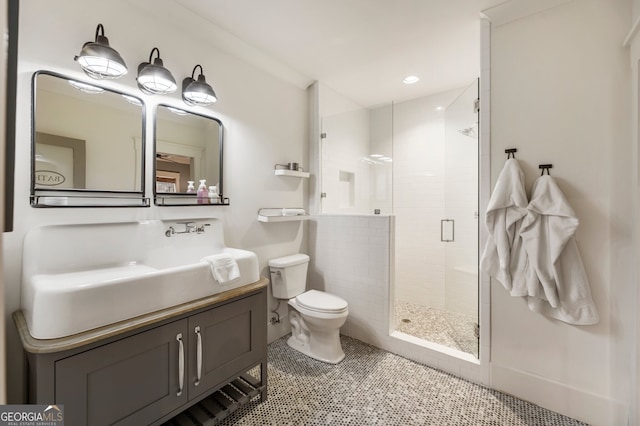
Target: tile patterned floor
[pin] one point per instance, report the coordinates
(437, 326)
(373, 387)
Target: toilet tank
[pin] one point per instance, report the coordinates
(288, 275)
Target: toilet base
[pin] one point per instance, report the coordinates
(304, 347)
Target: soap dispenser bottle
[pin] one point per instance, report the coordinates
(202, 192)
(190, 187)
(214, 197)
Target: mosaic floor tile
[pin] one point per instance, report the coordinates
(373, 387)
(449, 329)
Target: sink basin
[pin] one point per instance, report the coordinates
(80, 277)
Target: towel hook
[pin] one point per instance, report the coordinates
(545, 167)
(511, 152)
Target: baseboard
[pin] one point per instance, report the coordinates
(584, 406)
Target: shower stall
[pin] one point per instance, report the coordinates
(418, 161)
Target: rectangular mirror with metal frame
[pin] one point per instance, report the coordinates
(188, 154)
(87, 145)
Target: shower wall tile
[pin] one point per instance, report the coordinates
(350, 258)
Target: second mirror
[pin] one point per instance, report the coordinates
(188, 158)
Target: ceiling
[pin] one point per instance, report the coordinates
(361, 48)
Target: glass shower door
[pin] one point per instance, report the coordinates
(459, 227)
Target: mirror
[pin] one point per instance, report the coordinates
(87, 144)
(188, 148)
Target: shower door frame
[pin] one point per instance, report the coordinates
(452, 361)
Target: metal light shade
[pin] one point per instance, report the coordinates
(154, 78)
(197, 92)
(99, 60)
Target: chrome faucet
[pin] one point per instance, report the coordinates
(189, 228)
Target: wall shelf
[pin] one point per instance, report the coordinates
(276, 215)
(262, 218)
(292, 173)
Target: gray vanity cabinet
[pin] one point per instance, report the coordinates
(127, 382)
(153, 368)
(225, 339)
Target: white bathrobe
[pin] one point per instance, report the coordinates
(556, 281)
(503, 257)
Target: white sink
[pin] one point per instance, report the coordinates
(79, 277)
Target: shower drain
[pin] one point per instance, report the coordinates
(407, 320)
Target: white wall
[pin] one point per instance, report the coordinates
(560, 95)
(418, 203)
(264, 117)
(349, 258)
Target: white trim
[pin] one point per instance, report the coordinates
(484, 189)
(558, 397)
(516, 9)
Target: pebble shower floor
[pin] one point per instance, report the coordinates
(374, 387)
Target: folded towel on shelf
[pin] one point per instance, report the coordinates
(223, 267)
(293, 212)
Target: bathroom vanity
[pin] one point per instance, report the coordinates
(199, 360)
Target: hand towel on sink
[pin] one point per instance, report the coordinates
(223, 267)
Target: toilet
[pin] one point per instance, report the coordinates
(315, 316)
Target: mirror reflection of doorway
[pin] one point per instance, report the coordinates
(173, 172)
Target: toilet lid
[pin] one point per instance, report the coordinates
(320, 301)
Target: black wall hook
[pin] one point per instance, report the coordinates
(545, 167)
(511, 152)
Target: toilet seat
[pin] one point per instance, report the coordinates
(321, 302)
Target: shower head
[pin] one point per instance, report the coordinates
(470, 131)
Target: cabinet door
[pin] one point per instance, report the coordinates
(224, 341)
(132, 381)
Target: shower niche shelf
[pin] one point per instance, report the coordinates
(292, 173)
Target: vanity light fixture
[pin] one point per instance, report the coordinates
(154, 78)
(99, 60)
(197, 92)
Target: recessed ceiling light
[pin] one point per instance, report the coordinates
(376, 156)
(410, 79)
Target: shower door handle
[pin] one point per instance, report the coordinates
(447, 230)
